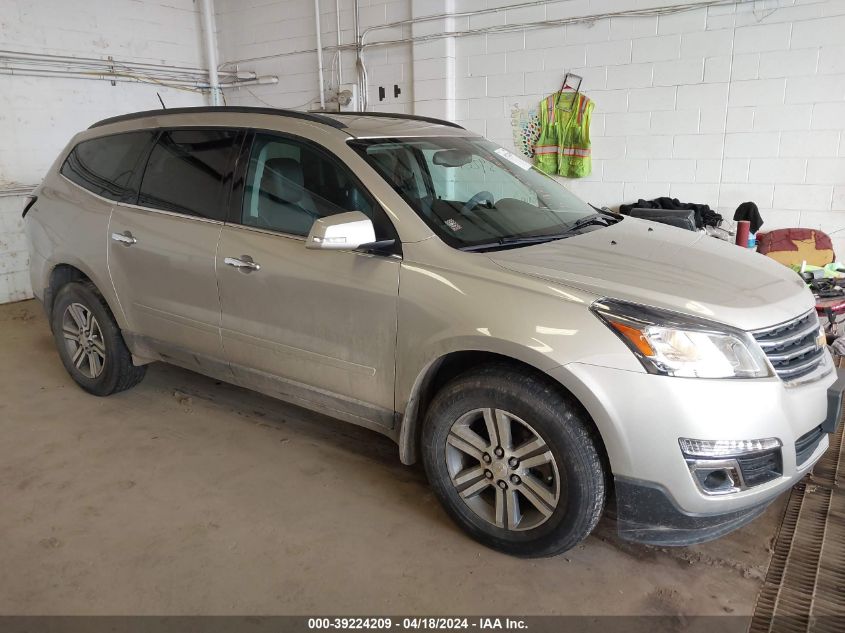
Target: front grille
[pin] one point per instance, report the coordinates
(807, 443)
(761, 467)
(792, 347)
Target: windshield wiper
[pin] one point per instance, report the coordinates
(590, 220)
(607, 212)
(600, 219)
(596, 219)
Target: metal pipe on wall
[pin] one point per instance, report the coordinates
(360, 69)
(339, 44)
(207, 7)
(502, 28)
(23, 55)
(264, 80)
(360, 44)
(17, 191)
(68, 67)
(319, 55)
(443, 16)
(102, 76)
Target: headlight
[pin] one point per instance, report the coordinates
(674, 344)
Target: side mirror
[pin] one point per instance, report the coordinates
(344, 231)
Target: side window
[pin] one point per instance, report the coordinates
(289, 184)
(108, 165)
(187, 171)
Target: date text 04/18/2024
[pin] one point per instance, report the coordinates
(417, 623)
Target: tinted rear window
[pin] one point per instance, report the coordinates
(106, 165)
(187, 171)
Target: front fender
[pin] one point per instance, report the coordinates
(406, 434)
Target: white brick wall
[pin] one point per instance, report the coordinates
(14, 259)
(39, 115)
(717, 105)
(238, 21)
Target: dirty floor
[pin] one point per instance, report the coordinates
(187, 496)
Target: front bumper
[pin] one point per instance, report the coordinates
(645, 513)
(834, 402)
(641, 416)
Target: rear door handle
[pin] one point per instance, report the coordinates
(244, 263)
(124, 238)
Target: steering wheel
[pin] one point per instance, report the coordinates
(481, 196)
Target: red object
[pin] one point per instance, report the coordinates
(784, 240)
(830, 306)
(743, 228)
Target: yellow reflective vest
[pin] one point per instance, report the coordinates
(563, 148)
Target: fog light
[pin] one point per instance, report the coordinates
(716, 477)
(726, 448)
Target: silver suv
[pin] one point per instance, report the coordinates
(537, 354)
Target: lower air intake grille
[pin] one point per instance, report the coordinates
(792, 347)
(806, 444)
(760, 468)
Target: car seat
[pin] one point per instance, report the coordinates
(792, 247)
(284, 203)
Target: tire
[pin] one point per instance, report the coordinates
(100, 362)
(559, 490)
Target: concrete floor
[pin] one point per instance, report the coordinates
(187, 496)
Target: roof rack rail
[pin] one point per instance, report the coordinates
(294, 114)
(398, 115)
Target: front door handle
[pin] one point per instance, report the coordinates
(244, 263)
(124, 238)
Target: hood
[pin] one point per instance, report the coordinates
(668, 267)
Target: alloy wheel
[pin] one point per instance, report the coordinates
(84, 340)
(502, 469)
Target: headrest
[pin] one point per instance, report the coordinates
(403, 175)
(282, 179)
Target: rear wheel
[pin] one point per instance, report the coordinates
(514, 462)
(89, 341)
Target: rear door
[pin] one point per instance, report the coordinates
(314, 327)
(104, 170)
(162, 247)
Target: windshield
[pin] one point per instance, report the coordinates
(473, 193)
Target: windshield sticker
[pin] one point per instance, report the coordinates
(516, 160)
(452, 224)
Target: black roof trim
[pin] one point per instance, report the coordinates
(398, 115)
(293, 114)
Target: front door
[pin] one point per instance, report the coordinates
(317, 328)
(162, 249)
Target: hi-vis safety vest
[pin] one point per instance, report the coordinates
(563, 147)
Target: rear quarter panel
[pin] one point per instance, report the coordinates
(69, 225)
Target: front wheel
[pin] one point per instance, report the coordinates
(515, 462)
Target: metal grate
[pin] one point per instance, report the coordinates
(792, 347)
(805, 585)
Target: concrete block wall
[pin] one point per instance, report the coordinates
(14, 257)
(39, 115)
(265, 36)
(719, 105)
